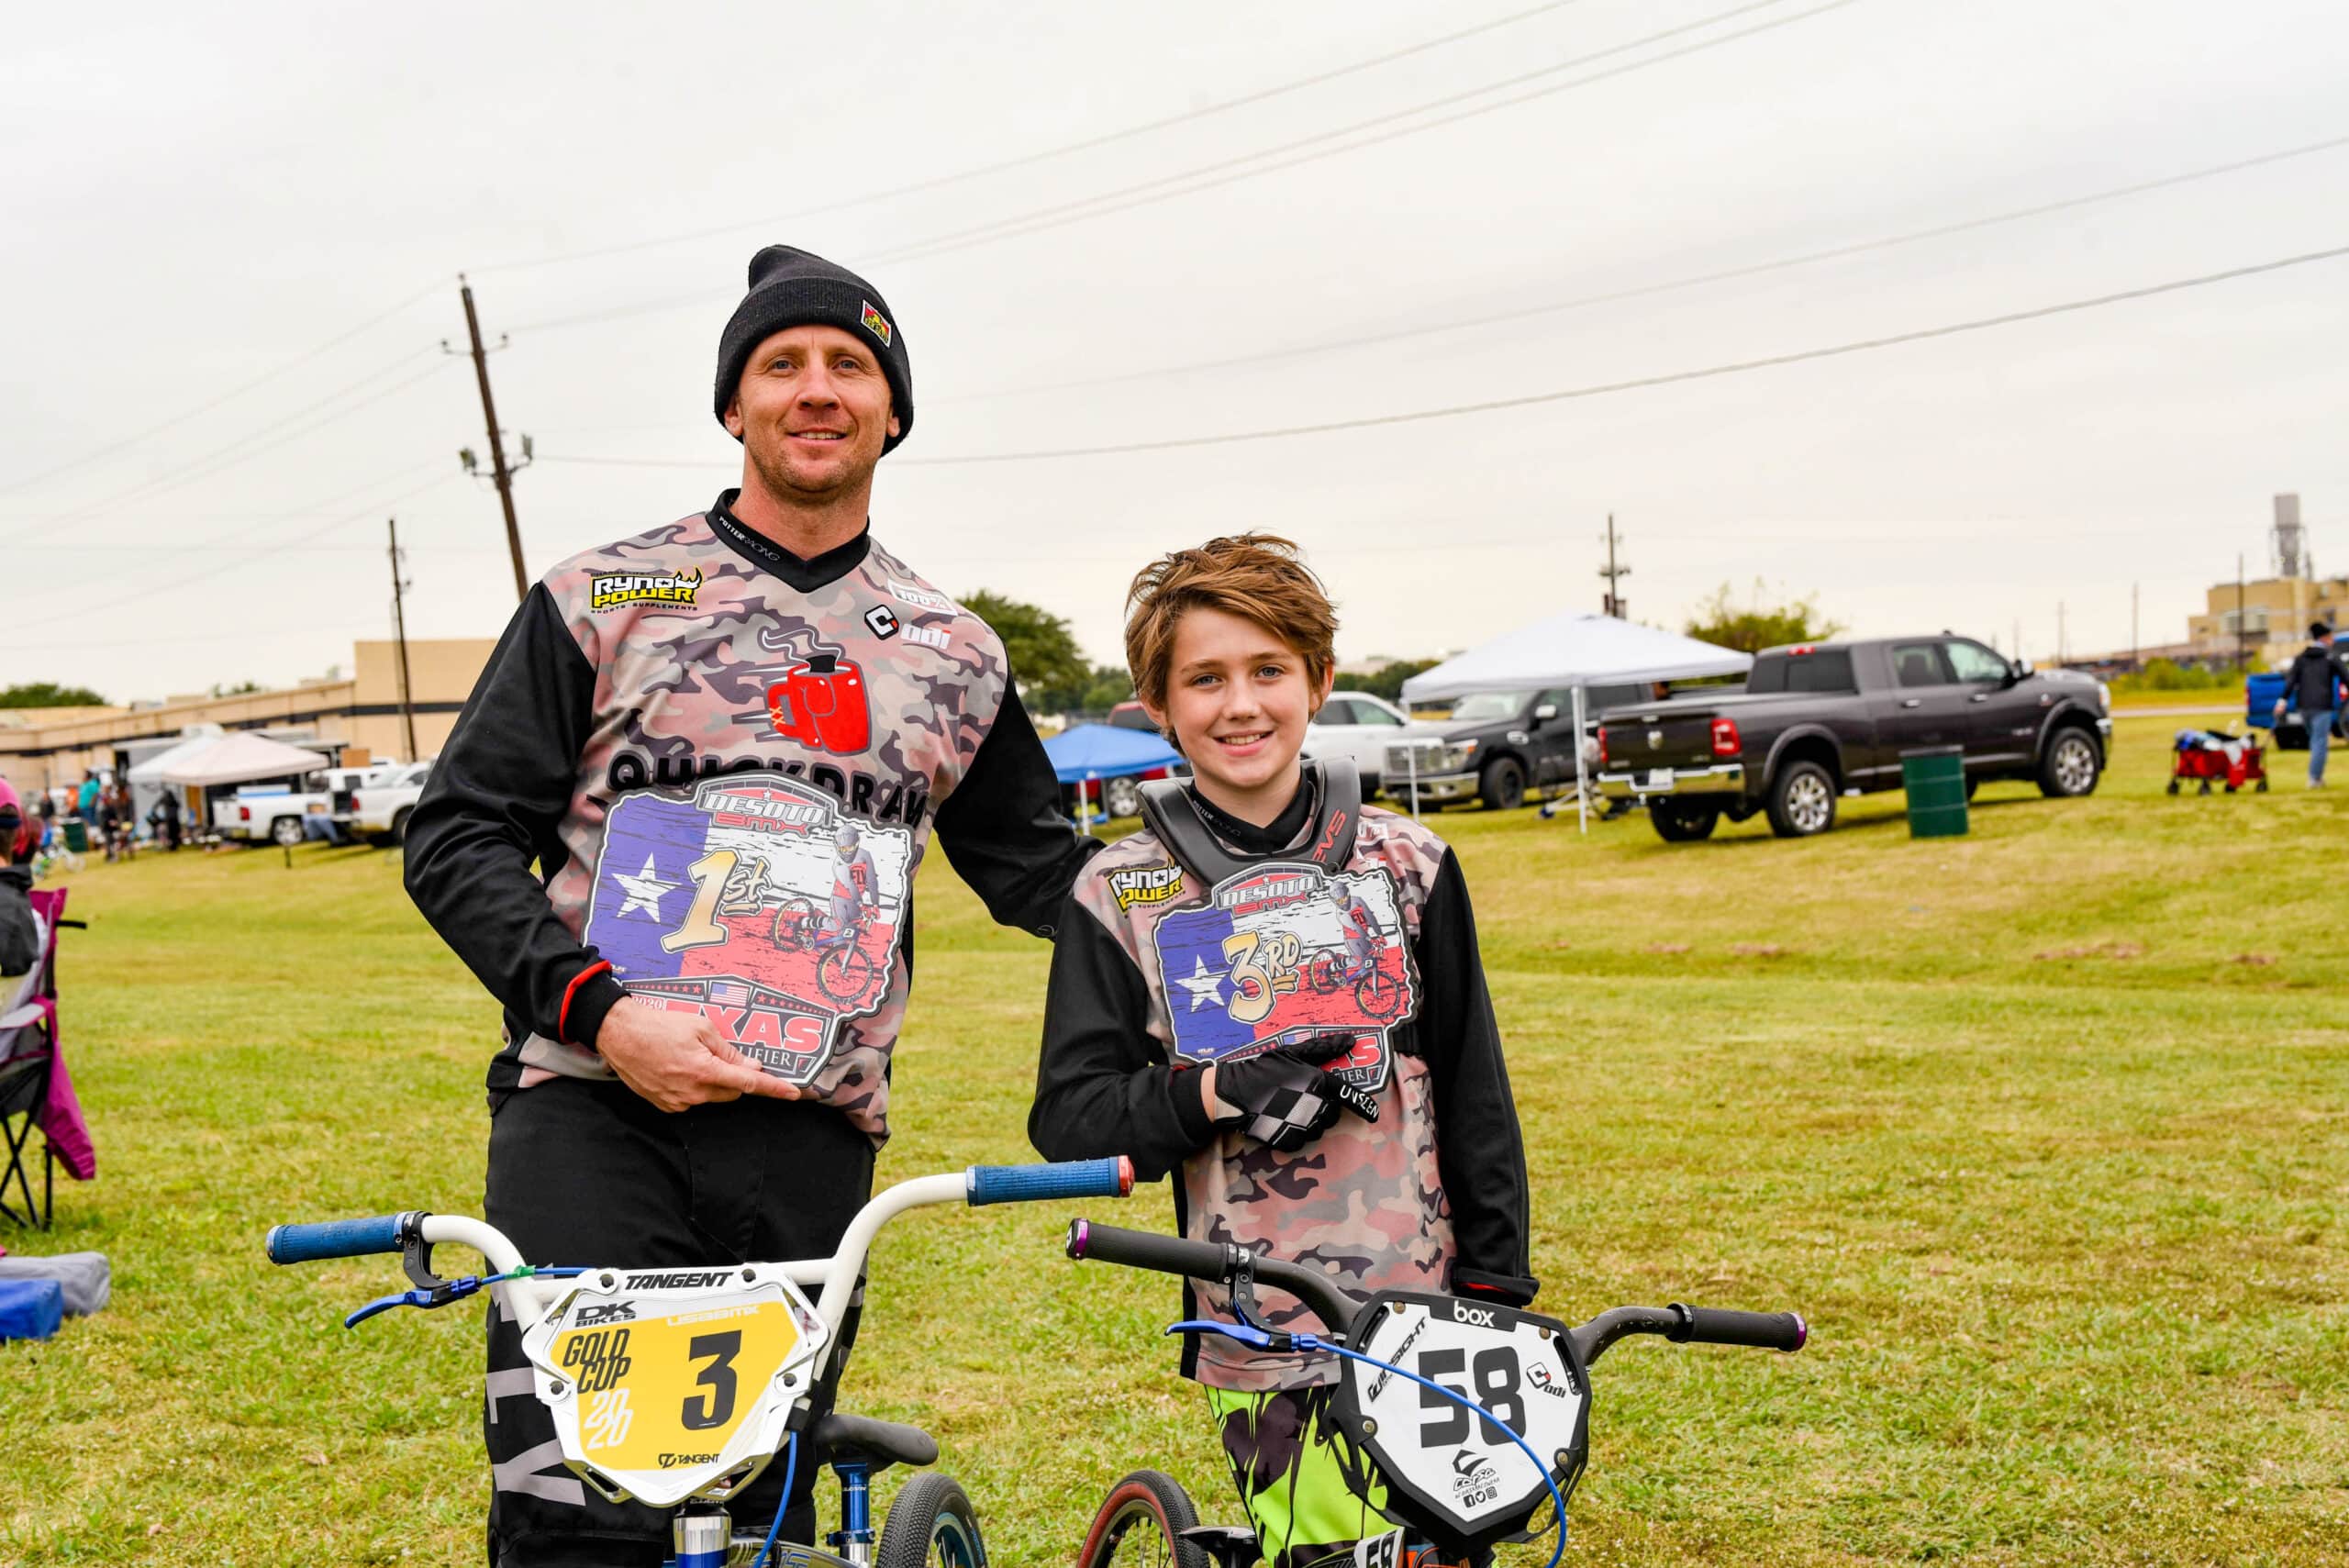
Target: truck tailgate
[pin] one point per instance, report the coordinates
(1665, 737)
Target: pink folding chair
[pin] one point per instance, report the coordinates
(35, 1091)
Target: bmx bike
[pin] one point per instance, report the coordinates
(677, 1387)
(1332, 969)
(843, 969)
(1475, 1415)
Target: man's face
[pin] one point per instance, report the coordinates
(812, 413)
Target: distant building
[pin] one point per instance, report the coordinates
(2271, 621)
(44, 748)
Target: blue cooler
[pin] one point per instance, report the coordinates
(30, 1308)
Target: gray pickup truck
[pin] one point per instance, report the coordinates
(1823, 720)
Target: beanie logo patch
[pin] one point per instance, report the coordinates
(877, 323)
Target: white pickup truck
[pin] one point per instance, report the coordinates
(272, 813)
(377, 807)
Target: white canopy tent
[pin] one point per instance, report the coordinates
(193, 742)
(1576, 649)
(241, 759)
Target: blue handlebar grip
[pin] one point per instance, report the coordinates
(334, 1239)
(1070, 1178)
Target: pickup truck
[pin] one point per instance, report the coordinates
(2265, 689)
(1496, 746)
(272, 813)
(377, 807)
(1822, 720)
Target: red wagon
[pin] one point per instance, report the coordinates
(2231, 760)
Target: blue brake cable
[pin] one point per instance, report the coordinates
(454, 1290)
(790, 1473)
(1262, 1339)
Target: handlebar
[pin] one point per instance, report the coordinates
(1336, 1306)
(337, 1238)
(836, 1276)
(1113, 1177)
(1328, 1300)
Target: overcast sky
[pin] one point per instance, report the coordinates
(198, 197)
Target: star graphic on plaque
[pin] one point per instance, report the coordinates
(644, 890)
(1205, 985)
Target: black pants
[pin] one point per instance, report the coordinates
(588, 1175)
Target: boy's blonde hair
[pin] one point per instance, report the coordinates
(1258, 577)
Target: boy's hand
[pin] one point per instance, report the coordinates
(677, 1060)
(1284, 1099)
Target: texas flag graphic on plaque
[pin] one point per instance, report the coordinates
(1280, 953)
(755, 900)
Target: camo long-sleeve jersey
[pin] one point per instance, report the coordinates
(688, 732)
(1154, 976)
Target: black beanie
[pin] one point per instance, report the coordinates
(790, 287)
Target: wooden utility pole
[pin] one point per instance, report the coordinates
(2059, 631)
(2243, 627)
(2134, 661)
(399, 629)
(1613, 602)
(503, 476)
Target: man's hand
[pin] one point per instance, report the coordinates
(676, 1060)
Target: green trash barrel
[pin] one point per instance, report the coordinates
(1934, 777)
(77, 835)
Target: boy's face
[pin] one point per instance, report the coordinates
(1237, 700)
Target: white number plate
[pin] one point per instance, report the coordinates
(1656, 778)
(1461, 1466)
(661, 1381)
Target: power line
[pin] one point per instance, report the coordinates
(246, 447)
(189, 580)
(1516, 316)
(1229, 171)
(117, 443)
(1736, 367)
(1028, 159)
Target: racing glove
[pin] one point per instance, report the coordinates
(1284, 1099)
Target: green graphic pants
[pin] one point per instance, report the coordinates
(1284, 1449)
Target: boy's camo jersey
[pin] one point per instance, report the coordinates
(1434, 1187)
(678, 726)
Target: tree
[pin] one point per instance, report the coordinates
(223, 689)
(48, 693)
(1043, 654)
(1752, 627)
(1388, 681)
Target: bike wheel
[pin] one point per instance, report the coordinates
(931, 1525)
(1378, 994)
(1322, 974)
(792, 922)
(844, 971)
(1140, 1525)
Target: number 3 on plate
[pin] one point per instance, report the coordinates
(715, 1407)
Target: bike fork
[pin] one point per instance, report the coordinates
(701, 1540)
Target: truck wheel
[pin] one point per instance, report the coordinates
(1802, 801)
(2071, 765)
(1678, 824)
(1502, 785)
(285, 830)
(398, 834)
(1121, 798)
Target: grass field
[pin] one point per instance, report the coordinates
(2044, 1130)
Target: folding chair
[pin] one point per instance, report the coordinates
(27, 1059)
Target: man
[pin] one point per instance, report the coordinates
(742, 682)
(853, 878)
(20, 933)
(2312, 684)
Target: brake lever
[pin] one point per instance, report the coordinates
(441, 1294)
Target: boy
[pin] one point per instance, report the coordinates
(1183, 1028)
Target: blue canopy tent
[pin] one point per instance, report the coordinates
(1084, 752)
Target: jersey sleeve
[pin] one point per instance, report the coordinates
(1103, 1084)
(1003, 831)
(497, 797)
(1480, 1151)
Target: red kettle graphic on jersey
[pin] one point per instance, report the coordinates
(819, 700)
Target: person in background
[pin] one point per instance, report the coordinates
(109, 820)
(166, 818)
(20, 936)
(2313, 684)
(86, 804)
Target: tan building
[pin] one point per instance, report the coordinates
(2272, 621)
(359, 713)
